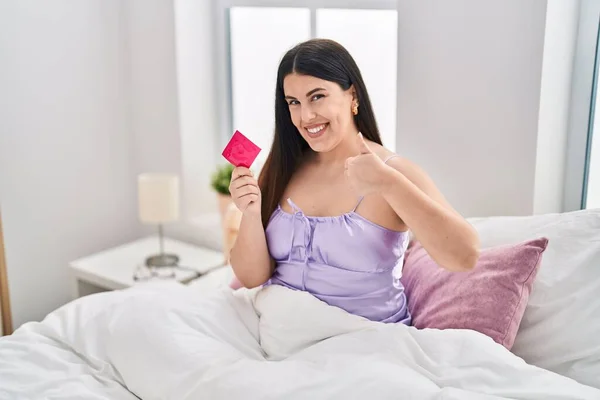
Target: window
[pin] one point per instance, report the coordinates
(255, 52)
(367, 28)
(591, 194)
(582, 179)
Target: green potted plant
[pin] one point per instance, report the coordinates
(220, 184)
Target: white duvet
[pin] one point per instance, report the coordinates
(167, 341)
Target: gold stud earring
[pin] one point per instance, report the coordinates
(355, 109)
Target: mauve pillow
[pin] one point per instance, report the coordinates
(490, 299)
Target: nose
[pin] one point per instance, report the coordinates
(307, 113)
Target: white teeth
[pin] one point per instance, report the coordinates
(317, 129)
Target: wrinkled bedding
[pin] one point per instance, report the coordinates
(165, 340)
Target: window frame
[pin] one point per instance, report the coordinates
(223, 50)
(581, 111)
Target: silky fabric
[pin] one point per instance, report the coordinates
(346, 261)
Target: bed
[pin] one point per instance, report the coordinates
(167, 340)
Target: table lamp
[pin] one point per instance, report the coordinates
(158, 203)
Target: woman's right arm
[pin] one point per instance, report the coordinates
(249, 256)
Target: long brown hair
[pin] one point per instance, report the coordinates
(323, 59)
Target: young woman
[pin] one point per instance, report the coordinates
(332, 209)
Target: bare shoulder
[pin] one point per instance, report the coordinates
(408, 168)
(412, 171)
(378, 149)
(402, 164)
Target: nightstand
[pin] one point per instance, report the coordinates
(114, 269)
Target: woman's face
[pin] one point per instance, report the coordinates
(320, 109)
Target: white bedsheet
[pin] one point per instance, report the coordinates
(169, 341)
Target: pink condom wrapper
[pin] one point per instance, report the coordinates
(240, 151)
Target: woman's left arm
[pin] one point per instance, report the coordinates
(448, 238)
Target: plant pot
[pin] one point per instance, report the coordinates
(231, 227)
(229, 222)
(224, 202)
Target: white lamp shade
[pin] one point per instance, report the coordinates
(158, 198)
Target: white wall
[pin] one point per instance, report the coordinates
(152, 78)
(66, 177)
(469, 98)
(197, 98)
(173, 108)
(174, 105)
(557, 67)
(150, 37)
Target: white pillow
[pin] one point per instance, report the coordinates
(560, 330)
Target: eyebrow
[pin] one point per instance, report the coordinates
(307, 94)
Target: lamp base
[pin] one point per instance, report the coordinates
(162, 260)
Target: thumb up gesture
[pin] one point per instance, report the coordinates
(366, 172)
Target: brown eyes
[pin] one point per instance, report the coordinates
(313, 98)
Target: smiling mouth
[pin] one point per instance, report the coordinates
(317, 130)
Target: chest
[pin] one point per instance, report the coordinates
(348, 242)
(320, 195)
